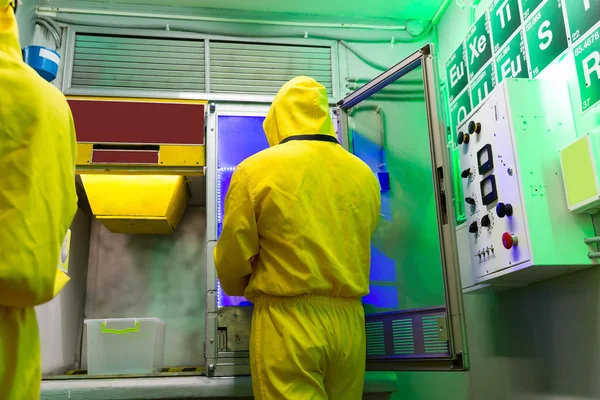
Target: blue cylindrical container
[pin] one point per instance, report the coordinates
(44, 60)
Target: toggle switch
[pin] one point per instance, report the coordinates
(466, 173)
(473, 227)
(470, 200)
(474, 127)
(485, 221)
(509, 240)
(504, 210)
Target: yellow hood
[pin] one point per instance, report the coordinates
(300, 108)
(9, 34)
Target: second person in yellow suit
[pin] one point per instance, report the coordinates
(296, 241)
(37, 204)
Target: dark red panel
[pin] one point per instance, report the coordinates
(124, 157)
(126, 122)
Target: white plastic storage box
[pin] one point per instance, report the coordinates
(125, 345)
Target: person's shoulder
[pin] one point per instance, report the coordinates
(261, 159)
(35, 93)
(357, 163)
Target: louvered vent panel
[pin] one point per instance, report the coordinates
(431, 336)
(404, 341)
(129, 62)
(375, 339)
(264, 68)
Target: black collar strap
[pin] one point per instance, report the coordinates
(317, 138)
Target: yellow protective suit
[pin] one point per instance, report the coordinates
(296, 241)
(37, 204)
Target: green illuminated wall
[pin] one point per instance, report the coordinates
(538, 342)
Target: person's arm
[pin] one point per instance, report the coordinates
(37, 198)
(238, 243)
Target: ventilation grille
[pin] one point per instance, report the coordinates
(404, 341)
(263, 69)
(431, 336)
(375, 339)
(129, 62)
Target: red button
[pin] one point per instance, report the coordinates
(508, 240)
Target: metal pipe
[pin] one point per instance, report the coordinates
(593, 255)
(55, 35)
(54, 25)
(113, 13)
(403, 82)
(592, 240)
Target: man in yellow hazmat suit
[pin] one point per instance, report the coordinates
(37, 204)
(296, 242)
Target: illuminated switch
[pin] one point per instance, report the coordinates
(474, 127)
(509, 240)
(504, 210)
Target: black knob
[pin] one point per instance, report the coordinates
(485, 221)
(460, 137)
(463, 138)
(474, 127)
(473, 227)
(470, 200)
(466, 173)
(504, 210)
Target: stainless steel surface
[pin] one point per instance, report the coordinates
(177, 388)
(153, 276)
(143, 63)
(211, 277)
(237, 354)
(225, 368)
(211, 175)
(68, 59)
(236, 322)
(92, 70)
(207, 65)
(335, 71)
(212, 318)
(263, 68)
(448, 241)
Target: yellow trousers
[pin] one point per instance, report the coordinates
(20, 365)
(308, 347)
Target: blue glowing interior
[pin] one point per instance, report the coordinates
(239, 137)
(383, 268)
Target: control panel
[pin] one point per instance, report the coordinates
(518, 225)
(494, 210)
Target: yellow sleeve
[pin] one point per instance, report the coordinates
(37, 196)
(238, 243)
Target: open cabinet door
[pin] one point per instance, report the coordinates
(415, 318)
